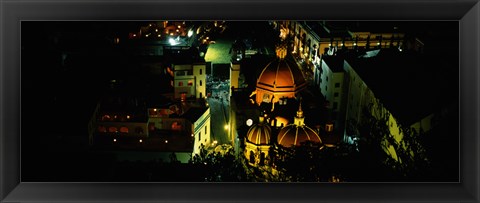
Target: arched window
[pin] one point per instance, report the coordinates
(262, 159)
(200, 82)
(106, 118)
(124, 129)
(112, 129)
(252, 157)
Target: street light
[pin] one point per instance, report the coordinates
(226, 126)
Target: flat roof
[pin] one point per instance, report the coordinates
(411, 86)
(335, 63)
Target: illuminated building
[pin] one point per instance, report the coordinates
(189, 81)
(312, 39)
(358, 92)
(177, 121)
(160, 38)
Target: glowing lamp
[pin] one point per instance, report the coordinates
(249, 122)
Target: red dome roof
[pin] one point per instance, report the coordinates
(281, 75)
(293, 135)
(259, 134)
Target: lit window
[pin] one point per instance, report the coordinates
(105, 118)
(329, 127)
(176, 126)
(124, 129)
(112, 129)
(190, 83)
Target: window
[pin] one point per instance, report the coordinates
(262, 159)
(200, 82)
(337, 84)
(190, 83)
(112, 129)
(327, 78)
(199, 136)
(102, 129)
(335, 94)
(205, 130)
(176, 126)
(252, 157)
(106, 118)
(335, 105)
(180, 84)
(329, 127)
(201, 71)
(124, 129)
(326, 88)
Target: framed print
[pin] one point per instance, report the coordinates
(239, 101)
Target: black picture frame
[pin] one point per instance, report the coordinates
(467, 12)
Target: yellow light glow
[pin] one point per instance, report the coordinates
(156, 30)
(171, 33)
(134, 35)
(155, 110)
(226, 126)
(159, 35)
(179, 26)
(114, 140)
(128, 117)
(166, 141)
(140, 141)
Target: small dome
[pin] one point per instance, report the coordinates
(293, 135)
(259, 134)
(296, 133)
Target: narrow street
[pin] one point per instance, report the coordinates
(219, 117)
